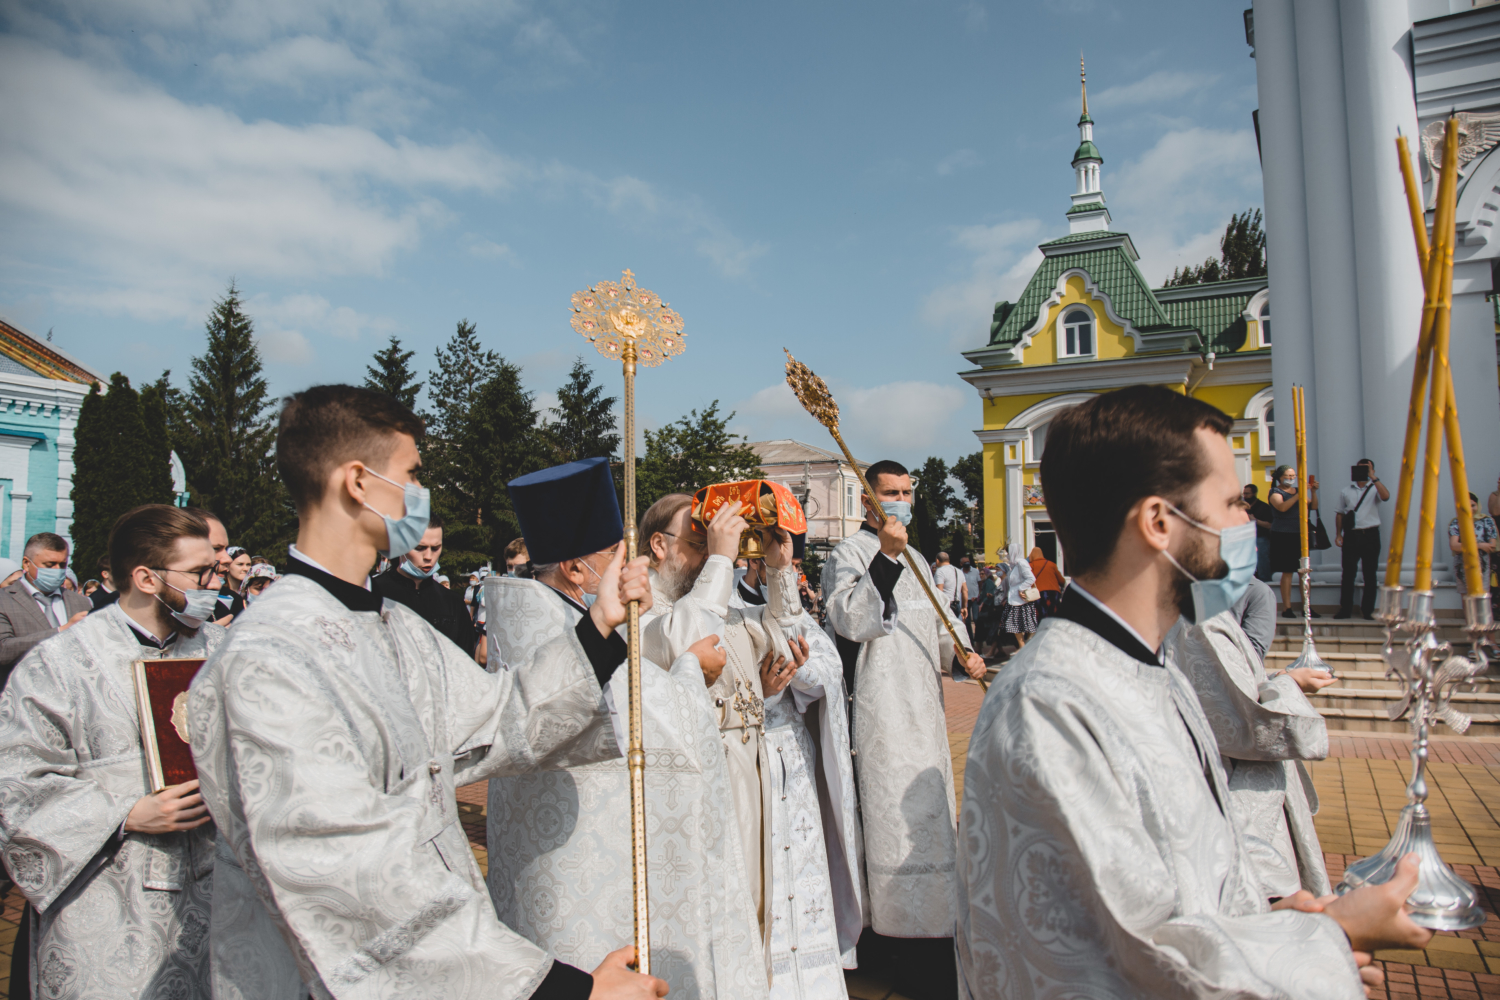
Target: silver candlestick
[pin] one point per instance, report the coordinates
(1429, 671)
(1309, 657)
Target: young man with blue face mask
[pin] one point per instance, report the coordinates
(37, 606)
(1094, 789)
(333, 725)
(895, 652)
(411, 581)
(92, 836)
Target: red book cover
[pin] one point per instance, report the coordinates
(161, 691)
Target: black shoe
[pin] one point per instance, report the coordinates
(1367, 616)
(1314, 614)
(1342, 613)
(1290, 613)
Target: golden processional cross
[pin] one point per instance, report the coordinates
(637, 327)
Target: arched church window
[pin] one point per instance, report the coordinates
(1078, 334)
(1270, 420)
(1265, 324)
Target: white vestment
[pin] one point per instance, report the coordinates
(1099, 858)
(328, 744)
(902, 757)
(559, 838)
(112, 915)
(1265, 727)
(809, 829)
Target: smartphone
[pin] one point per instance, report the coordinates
(1359, 473)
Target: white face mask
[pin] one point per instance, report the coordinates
(587, 600)
(198, 604)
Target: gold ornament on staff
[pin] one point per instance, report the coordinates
(812, 392)
(637, 327)
(1309, 657)
(1429, 670)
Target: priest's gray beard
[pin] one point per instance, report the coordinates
(1202, 560)
(677, 578)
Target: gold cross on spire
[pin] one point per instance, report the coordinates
(1083, 80)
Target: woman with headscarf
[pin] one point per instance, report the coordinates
(1020, 614)
(1049, 581)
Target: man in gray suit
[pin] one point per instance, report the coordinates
(37, 606)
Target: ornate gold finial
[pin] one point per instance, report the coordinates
(1083, 80)
(611, 313)
(812, 392)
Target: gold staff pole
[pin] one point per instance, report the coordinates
(812, 392)
(639, 329)
(1309, 656)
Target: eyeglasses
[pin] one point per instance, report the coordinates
(204, 575)
(692, 540)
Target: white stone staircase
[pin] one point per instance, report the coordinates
(1360, 699)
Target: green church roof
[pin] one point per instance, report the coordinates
(1087, 151)
(1220, 318)
(1111, 270)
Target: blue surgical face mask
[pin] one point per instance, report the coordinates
(899, 509)
(410, 569)
(1237, 549)
(402, 534)
(49, 578)
(587, 600)
(199, 604)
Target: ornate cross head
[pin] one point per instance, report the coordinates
(610, 314)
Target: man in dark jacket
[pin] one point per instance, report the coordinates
(410, 581)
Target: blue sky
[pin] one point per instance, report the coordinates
(857, 182)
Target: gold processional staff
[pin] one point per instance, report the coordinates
(812, 392)
(638, 328)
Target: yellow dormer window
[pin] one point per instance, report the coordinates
(1077, 339)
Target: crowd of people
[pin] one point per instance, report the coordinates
(1134, 819)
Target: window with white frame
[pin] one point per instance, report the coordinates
(1077, 334)
(1039, 441)
(1265, 324)
(1268, 417)
(851, 499)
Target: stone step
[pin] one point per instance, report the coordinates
(1353, 704)
(1369, 720)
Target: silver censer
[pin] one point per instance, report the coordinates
(1309, 657)
(1429, 671)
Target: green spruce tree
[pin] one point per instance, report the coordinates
(696, 451)
(391, 374)
(158, 442)
(118, 465)
(932, 499)
(225, 435)
(583, 422)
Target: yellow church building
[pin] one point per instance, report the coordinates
(1089, 322)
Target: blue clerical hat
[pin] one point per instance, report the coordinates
(567, 511)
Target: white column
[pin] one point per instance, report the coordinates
(1472, 357)
(67, 423)
(1286, 207)
(1378, 90)
(18, 502)
(1335, 429)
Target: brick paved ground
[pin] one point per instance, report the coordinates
(1362, 786)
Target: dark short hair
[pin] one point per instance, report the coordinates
(103, 565)
(325, 426)
(1365, 461)
(884, 468)
(516, 547)
(434, 520)
(147, 535)
(1140, 440)
(1252, 488)
(45, 541)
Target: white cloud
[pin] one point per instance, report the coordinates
(286, 347)
(1002, 259)
(295, 62)
(961, 159)
(481, 247)
(1163, 85)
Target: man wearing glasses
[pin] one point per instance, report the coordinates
(82, 832)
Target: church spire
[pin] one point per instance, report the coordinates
(1087, 212)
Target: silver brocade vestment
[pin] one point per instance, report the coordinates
(1265, 727)
(1096, 859)
(328, 743)
(902, 757)
(809, 831)
(559, 839)
(112, 917)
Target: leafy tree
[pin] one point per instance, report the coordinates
(158, 442)
(119, 464)
(224, 434)
(392, 375)
(696, 451)
(1242, 254)
(583, 421)
(969, 471)
(932, 499)
(482, 433)
(812, 568)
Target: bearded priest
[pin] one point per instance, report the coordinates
(82, 833)
(559, 838)
(332, 726)
(895, 650)
(793, 794)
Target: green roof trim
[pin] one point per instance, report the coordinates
(1077, 238)
(1087, 151)
(1112, 272)
(1093, 206)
